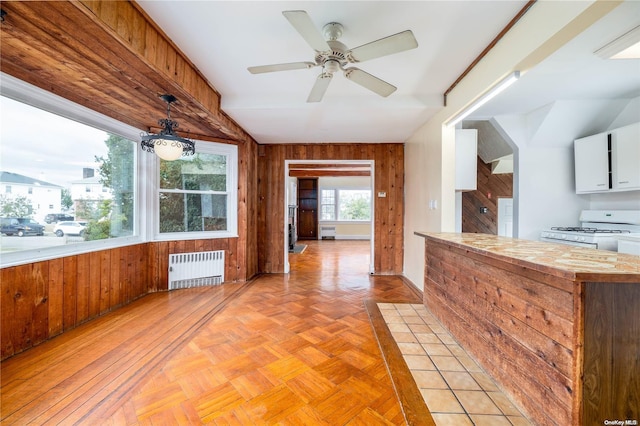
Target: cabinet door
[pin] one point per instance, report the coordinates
(466, 159)
(592, 163)
(625, 151)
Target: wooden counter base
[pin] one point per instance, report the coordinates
(536, 329)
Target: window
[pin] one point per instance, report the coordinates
(75, 138)
(346, 204)
(328, 204)
(198, 194)
(7, 189)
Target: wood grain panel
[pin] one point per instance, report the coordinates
(489, 308)
(611, 352)
(499, 185)
(389, 211)
(40, 300)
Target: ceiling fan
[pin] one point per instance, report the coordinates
(333, 55)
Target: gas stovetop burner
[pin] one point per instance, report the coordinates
(589, 230)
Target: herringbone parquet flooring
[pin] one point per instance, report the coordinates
(293, 349)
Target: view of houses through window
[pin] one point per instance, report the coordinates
(75, 184)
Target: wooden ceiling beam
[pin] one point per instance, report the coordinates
(327, 173)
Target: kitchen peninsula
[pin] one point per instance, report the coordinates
(558, 327)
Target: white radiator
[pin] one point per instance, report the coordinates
(196, 269)
(328, 232)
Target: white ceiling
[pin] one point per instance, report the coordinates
(223, 38)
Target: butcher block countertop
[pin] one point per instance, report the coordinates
(578, 263)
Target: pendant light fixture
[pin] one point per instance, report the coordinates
(166, 144)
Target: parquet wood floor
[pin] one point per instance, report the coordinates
(294, 349)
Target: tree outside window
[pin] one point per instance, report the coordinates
(354, 204)
(345, 204)
(193, 194)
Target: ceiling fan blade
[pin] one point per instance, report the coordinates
(383, 47)
(370, 82)
(281, 67)
(320, 87)
(304, 25)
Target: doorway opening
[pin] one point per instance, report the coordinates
(326, 198)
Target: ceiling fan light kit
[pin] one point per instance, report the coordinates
(332, 55)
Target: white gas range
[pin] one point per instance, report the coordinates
(599, 229)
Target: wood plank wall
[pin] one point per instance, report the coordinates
(500, 185)
(611, 353)
(520, 324)
(389, 211)
(43, 299)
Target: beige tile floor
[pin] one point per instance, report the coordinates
(456, 390)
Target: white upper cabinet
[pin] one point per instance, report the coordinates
(592, 163)
(608, 161)
(466, 159)
(625, 151)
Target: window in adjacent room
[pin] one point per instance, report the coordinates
(346, 204)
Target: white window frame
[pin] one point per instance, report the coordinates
(21, 91)
(204, 147)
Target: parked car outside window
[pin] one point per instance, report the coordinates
(69, 228)
(20, 226)
(57, 217)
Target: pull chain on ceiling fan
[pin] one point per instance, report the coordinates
(333, 55)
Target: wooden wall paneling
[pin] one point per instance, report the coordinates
(69, 291)
(611, 352)
(398, 202)
(23, 305)
(115, 284)
(388, 246)
(56, 296)
(247, 211)
(231, 261)
(94, 283)
(132, 270)
(23, 295)
(142, 269)
(381, 210)
(40, 321)
(150, 266)
(498, 185)
(519, 331)
(162, 265)
(139, 262)
(82, 300)
(105, 280)
(8, 326)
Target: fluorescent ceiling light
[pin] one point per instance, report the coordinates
(627, 46)
(488, 95)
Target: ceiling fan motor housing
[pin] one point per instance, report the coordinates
(335, 58)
